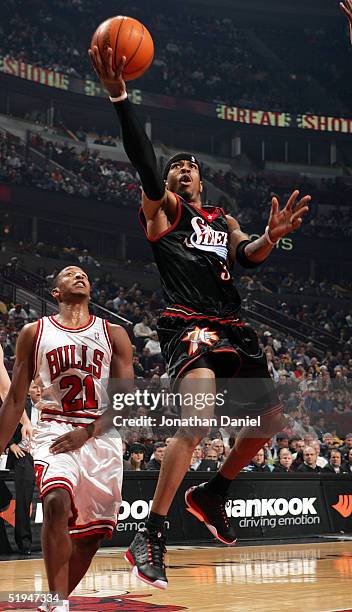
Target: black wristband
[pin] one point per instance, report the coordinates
(242, 258)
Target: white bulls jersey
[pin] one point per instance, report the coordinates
(72, 367)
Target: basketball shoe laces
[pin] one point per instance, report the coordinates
(219, 504)
(224, 515)
(156, 548)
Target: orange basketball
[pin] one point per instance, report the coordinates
(126, 36)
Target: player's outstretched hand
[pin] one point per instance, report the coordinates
(70, 441)
(287, 220)
(111, 79)
(346, 8)
(27, 431)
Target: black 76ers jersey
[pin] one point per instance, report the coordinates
(192, 259)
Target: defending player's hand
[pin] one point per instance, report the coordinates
(17, 451)
(27, 431)
(70, 441)
(346, 8)
(287, 220)
(111, 79)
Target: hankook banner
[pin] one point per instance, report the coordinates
(261, 506)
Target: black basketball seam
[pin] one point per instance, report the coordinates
(117, 38)
(138, 46)
(144, 67)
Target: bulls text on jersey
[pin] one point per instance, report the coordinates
(63, 358)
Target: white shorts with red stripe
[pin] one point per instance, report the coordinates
(92, 475)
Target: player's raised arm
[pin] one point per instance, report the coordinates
(251, 253)
(12, 409)
(137, 145)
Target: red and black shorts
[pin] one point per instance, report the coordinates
(227, 346)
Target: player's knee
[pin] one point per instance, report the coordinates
(90, 545)
(57, 506)
(273, 418)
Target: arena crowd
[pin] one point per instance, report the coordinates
(249, 66)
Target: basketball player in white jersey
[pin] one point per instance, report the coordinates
(78, 466)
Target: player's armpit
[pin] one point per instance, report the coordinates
(122, 354)
(12, 409)
(167, 204)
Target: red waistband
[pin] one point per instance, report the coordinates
(188, 314)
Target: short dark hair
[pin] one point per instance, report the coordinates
(56, 277)
(334, 450)
(159, 445)
(283, 449)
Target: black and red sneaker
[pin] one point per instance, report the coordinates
(210, 509)
(146, 555)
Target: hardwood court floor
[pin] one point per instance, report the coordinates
(315, 577)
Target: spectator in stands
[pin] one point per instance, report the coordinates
(258, 463)
(158, 456)
(293, 444)
(119, 299)
(148, 362)
(87, 260)
(18, 315)
(281, 441)
(311, 401)
(305, 428)
(347, 445)
(219, 447)
(153, 345)
(197, 457)
(285, 461)
(142, 332)
(347, 464)
(210, 461)
(136, 461)
(328, 440)
(321, 461)
(335, 463)
(320, 426)
(137, 367)
(31, 313)
(309, 460)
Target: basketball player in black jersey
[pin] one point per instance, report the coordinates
(200, 331)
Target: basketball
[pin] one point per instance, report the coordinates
(127, 37)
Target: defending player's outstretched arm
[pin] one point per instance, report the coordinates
(251, 253)
(11, 412)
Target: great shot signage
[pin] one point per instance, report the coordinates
(267, 118)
